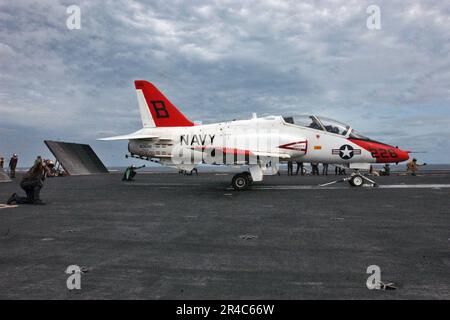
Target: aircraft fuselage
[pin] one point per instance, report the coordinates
(268, 135)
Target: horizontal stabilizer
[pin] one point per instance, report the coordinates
(132, 136)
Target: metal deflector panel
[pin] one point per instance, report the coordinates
(75, 158)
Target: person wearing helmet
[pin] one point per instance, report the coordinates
(130, 172)
(13, 165)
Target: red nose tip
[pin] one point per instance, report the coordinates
(382, 152)
(402, 155)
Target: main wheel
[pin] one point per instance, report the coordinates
(240, 181)
(357, 181)
(249, 177)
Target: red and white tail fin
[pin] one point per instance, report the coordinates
(156, 110)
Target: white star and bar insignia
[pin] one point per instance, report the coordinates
(346, 151)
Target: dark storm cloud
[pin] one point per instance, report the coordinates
(222, 60)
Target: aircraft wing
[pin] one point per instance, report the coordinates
(235, 151)
(272, 155)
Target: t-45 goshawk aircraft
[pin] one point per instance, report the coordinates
(258, 144)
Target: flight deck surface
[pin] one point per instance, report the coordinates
(170, 236)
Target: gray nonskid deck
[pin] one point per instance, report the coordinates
(169, 236)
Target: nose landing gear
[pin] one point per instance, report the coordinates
(356, 179)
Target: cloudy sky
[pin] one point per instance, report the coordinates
(219, 60)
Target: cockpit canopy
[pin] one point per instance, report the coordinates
(324, 124)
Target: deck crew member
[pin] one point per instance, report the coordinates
(386, 171)
(300, 167)
(315, 168)
(13, 165)
(32, 183)
(290, 168)
(412, 166)
(130, 172)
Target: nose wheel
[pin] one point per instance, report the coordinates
(241, 181)
(356, 181)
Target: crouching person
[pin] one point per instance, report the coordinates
(130, 172)
(32, 183)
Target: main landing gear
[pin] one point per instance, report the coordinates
(242, 181)
(356, 179)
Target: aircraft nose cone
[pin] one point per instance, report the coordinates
(403, 155)
(382, 152)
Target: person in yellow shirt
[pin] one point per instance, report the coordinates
(412, 166)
